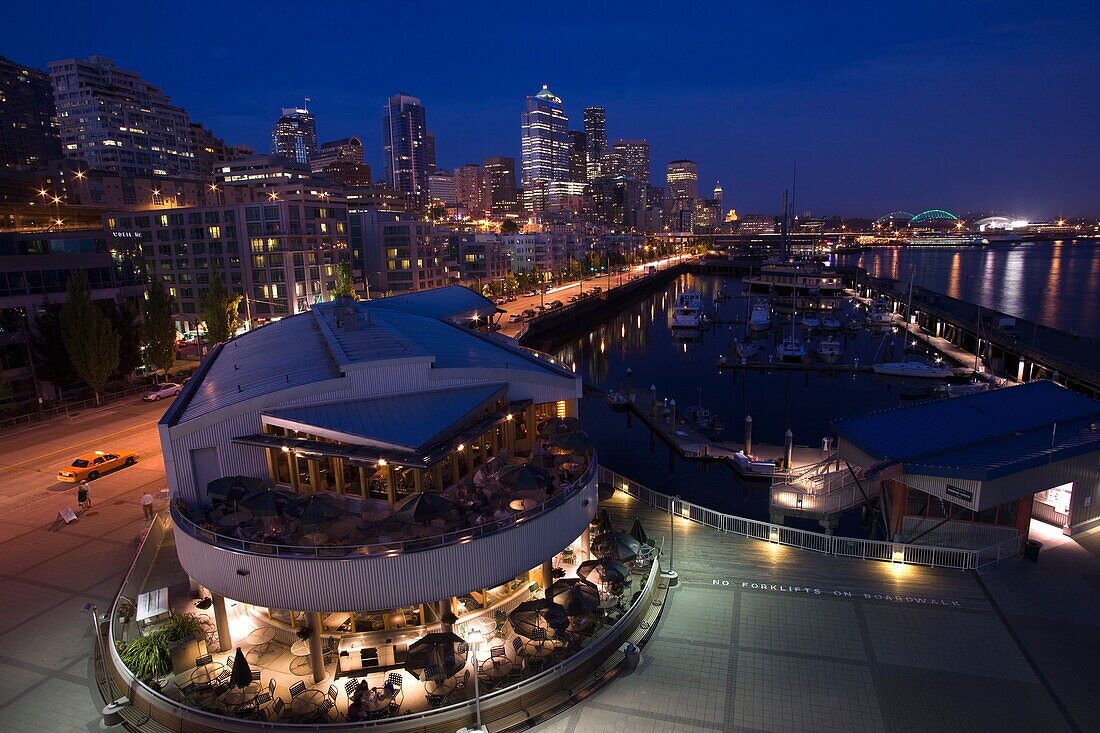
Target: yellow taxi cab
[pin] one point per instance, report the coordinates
(91, 466)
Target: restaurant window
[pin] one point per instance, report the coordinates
(352, 485)
(281, 459)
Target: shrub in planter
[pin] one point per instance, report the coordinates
(125, 611)
(204, 603)
(304, 633)
(147, 657)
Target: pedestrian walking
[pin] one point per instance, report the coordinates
(147, 504)
(83, 498)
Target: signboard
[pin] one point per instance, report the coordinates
(67, 514)
(961, 494)
(152, 604)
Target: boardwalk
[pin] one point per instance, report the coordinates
(762, 637)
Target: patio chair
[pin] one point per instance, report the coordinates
(333, 693)
(395, 678)
(204, 660)
(260, 700)
(277, 709)
(461, 684)
(189, 689)
(271, 685)
(498, 651)
(517, 644)
(322, 712)
(436, 701)
(229, 662)
(539, 634)
(431, 673)
(297, 689)
(221, 689)
(223, 677)
(255, 675)
(351, 687)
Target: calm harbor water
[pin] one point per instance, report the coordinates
(1054, 283)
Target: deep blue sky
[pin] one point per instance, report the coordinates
(884, 106)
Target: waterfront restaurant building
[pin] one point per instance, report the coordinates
(966, 469)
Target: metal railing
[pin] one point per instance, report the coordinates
(396, 547)
(932, 556)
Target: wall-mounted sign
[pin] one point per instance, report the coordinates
(961, 494)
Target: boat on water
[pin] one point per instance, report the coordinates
(761, 318)
(798, 284)
(686, 312)
(703, 419)
(752, 465)
(616, 400)
(746, 350)
(830, 323)
(939, 239)
(791, 350)
(913, 369)
(881, 313)
(957, 390)
(829, 350)
(810, 321)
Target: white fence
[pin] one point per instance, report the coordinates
(941, 557)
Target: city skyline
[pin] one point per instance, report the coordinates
(864, 114)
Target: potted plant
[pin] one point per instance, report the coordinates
(125, 611)
(204, 603)
(304, 633)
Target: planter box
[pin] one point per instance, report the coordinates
(185, 652)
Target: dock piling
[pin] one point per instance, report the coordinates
(788, 449)
(748, 435)
(671, 416)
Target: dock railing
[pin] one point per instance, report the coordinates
(929, 555)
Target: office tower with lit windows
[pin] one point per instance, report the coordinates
(406, 153)
(595, 134)
(28, 122)
(500, 178)
(578, 157)
(441, 187)
(472, 190)
(682, 181)
(718, 201)
(116, 121)
(545, 148)
(295, 135)
(346, 150)
(629, 158)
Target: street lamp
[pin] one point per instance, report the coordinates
(671, 574)
(474, 639)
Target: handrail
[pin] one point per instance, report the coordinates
(216, 538)
(899, 552)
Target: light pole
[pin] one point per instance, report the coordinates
(474, 639)
(671, 574)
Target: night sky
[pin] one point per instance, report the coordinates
(884, 106)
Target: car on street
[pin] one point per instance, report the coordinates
(531, 293)
(500, 300)
(161, 391)
(554, 304)
(515, 318)
(91, 466)
(574, 298)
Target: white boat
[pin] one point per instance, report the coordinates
(957, 390)
(810, 321)
(798, 284)
(686, 310)
(753, 466)
(829, 350)
(830, 323)
(761, 318)
(881, 313)
(616, 400)
(914, 369)
(791, 349)
(746, 350)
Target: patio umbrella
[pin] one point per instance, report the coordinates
(617, 545)
(242, 673)
(232, 488)
(638, 533)
(554, 425)
(315, 509)
(569, 443)
(575, 595)
(603, 570)
(422, 507)
(438, 650)
(604, 491)
(603, 520)
(540, 614)
(525, 477)
(267, 502)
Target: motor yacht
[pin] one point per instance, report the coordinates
(760, 319)
(829, 350)
(913, 369)
(686, 310)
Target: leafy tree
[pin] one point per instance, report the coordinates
(90, 340)
(510, 284)
(158, 328)
(123, 313)
(51, 358)
(219, 311)
(437, 212)
(345, 282)
(509, 226)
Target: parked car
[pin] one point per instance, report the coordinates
(500, 300)
(91, 466)
(160, 391)
(529, 314)
(511, 299)
(573, 298)
(530, 293)
(515, 318)
(555, 304)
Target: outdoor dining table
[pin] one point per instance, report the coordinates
(207, 673)
(260, 636)
(522, 505)
(315, 538)
(239, 696)
(307, 702)
(234, 518)
(440, 687)
(495, 668)
(533, 648)
(570, 467)
(300, 648)
(377, 699)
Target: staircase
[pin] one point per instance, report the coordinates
(820, 491)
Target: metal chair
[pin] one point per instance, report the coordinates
(297, 689)
(497, 651)
(461, 684)
(350, 687)
(333, 693)
(271, 685)
(395, 678)
(204, 660)
(255, 675)
(277, 708)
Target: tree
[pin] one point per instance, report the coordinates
(123, 313)
(219, 311)
(90, 340)
(509, 226)
(158, 328)
(345, 282)
(51, 358)
(510, 284)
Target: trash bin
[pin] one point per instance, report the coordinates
(1031, 550)
(633, 654)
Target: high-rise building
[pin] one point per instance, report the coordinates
(429, 150)
(347, 173)
(211, 151)
(345, 150)
(472, 190)
(629, 158)
(441, 187)
(28, 122)
(595, 133)
(718, 200)
(578, 156)
(500, 178)
(295, 135)
(405, 147)
(545, 147)
(400, 252)
(682, 181)
(116, 121)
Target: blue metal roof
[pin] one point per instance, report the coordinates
(977, 423)
(410, 421)
(454, 301)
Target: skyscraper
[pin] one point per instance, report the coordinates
(116, 121)
(295, 135)
(718, 200)
(472, 190)
(629, 158)
(500, 178)
(441, 187)
(578, 156)
(28, 123)
(682, 181)
(595, 132)
(405, 147)
(545, 147)
(346, 150)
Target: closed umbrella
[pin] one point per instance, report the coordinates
(435, 656)
(616, 545)
(568, 443)
(603, 520)
(541, 614)
(525, 477)
(575, 595)
(315, 509)
(241, 676)
(638, 533)
(603, 570)
(267, 502)
(232, 488)
(554, 425)
(422, 507)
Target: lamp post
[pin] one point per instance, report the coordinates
(474, 639)
(671, 574)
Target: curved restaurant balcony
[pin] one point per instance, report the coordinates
(377, 570)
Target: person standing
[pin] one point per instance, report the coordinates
(83, 498)
(147, 504)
